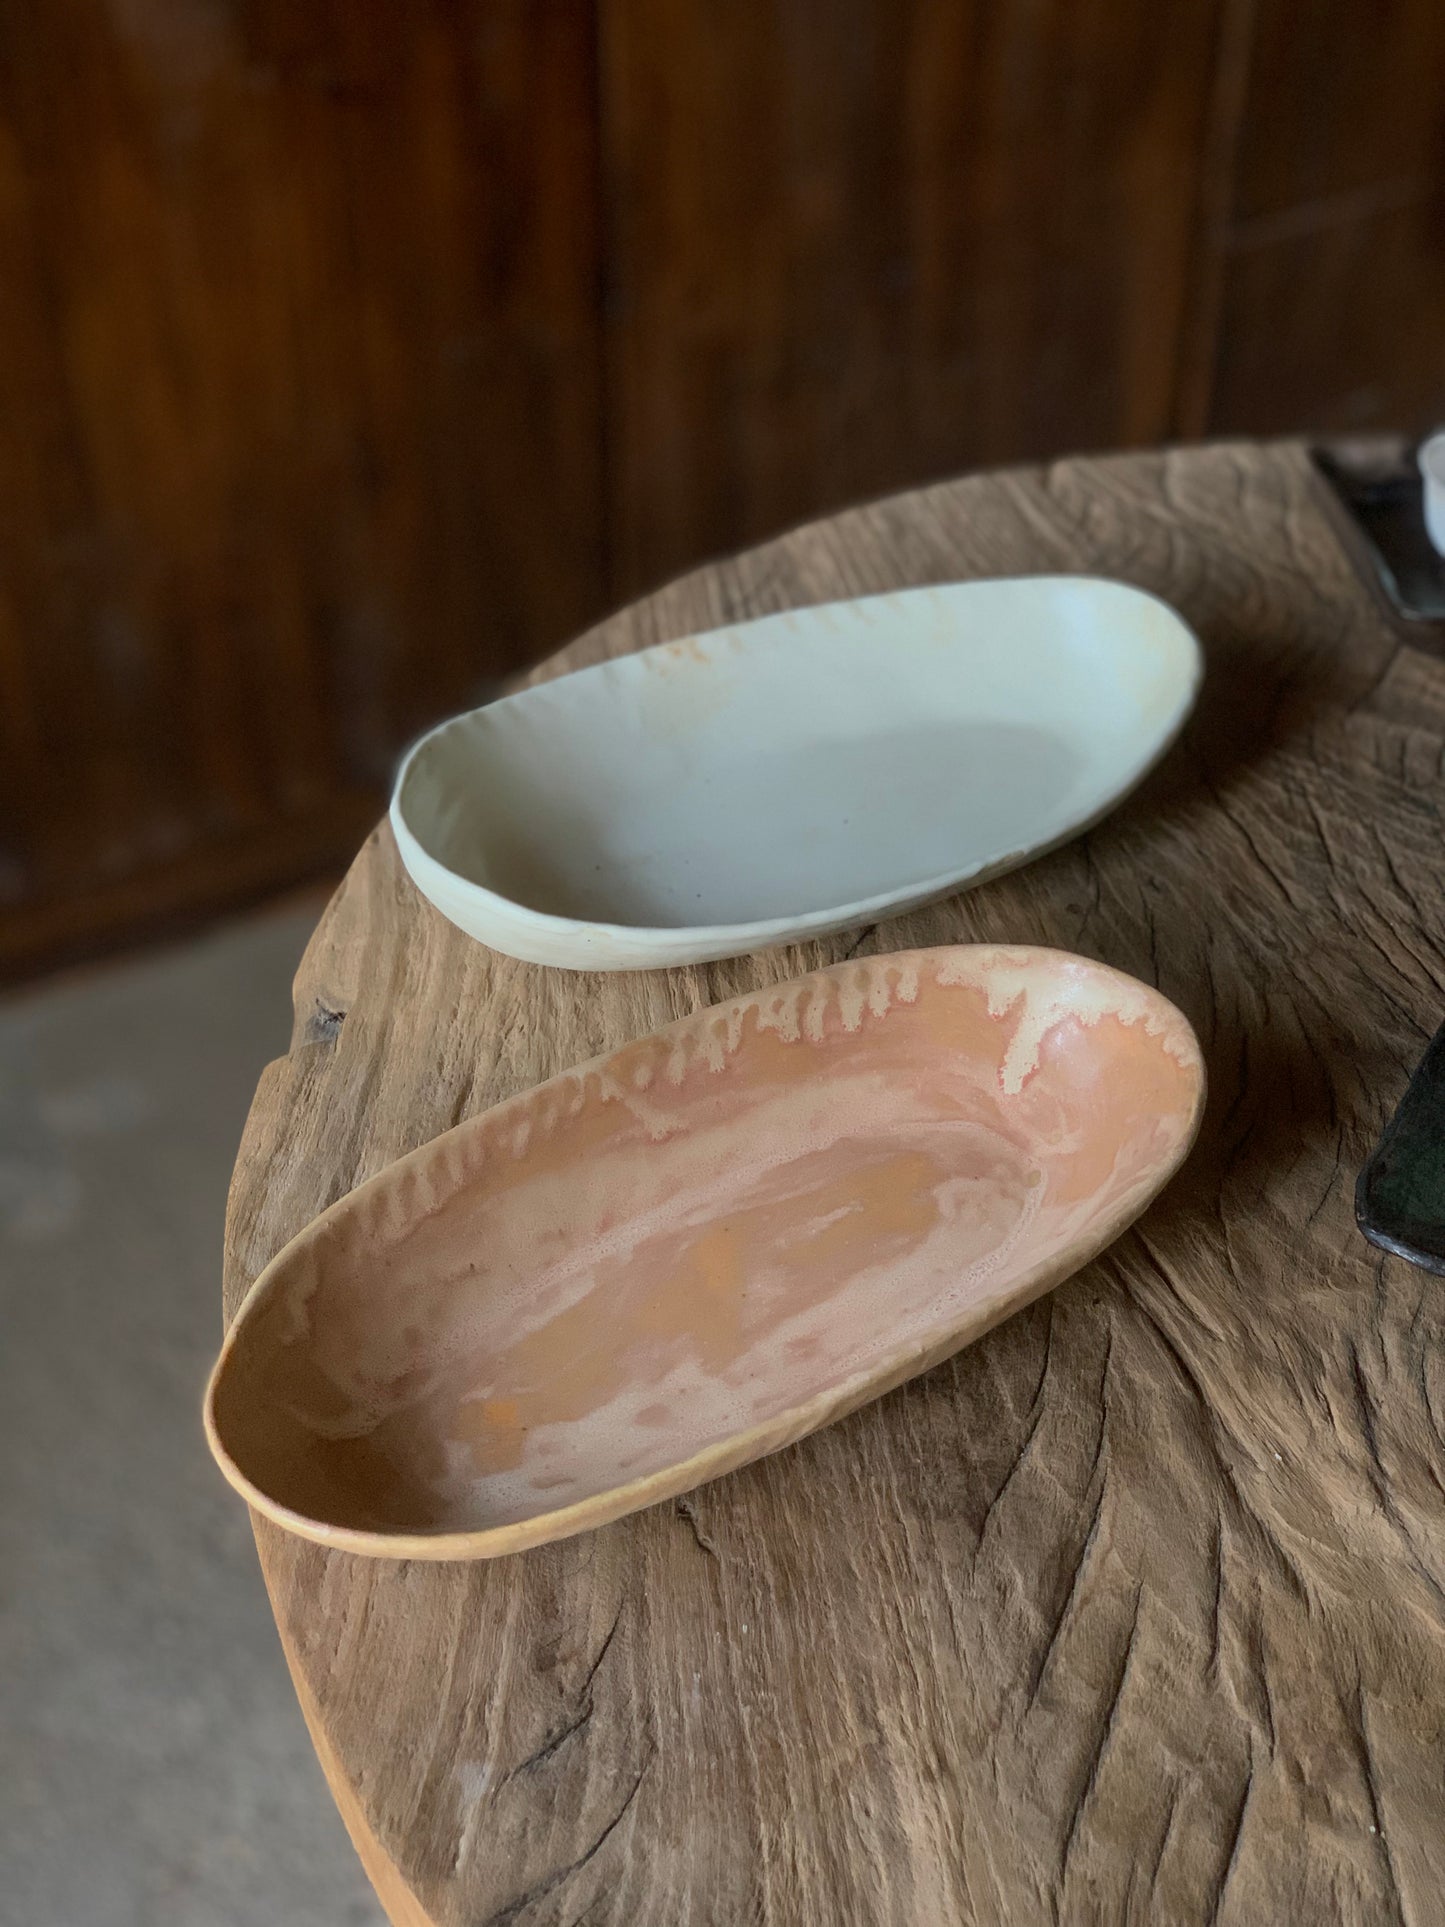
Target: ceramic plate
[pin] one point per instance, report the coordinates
(664, 1264)
(795, 775)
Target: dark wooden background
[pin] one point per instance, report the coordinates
(352, 355)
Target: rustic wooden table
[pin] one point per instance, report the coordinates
(1134, 1611)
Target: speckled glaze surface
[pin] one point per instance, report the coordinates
(666, 1263)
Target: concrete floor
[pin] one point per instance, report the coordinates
(154, 1769)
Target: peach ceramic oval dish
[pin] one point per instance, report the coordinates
(793, 775)
(666, 1263)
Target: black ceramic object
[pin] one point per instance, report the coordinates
(1400, 1196)
(1380, 499)
(1379, 509)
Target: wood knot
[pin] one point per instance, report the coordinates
(323, 1026)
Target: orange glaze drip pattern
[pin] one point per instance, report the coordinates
(642, 1260)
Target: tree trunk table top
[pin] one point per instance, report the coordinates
(1135, 1610)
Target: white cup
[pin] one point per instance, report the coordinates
(1432, 468)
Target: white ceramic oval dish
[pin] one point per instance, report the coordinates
(794, 775)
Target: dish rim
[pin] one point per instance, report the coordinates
(742, 1447)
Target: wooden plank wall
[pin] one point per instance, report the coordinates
(857, 245)
(299, 422)
(352, 355)
(1330, 251)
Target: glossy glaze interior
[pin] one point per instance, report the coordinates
(698, 1240)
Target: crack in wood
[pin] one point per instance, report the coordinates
(858, 942)
(1377, 1809)
(602, 1652)
(1217, 1627)
(1379, 1482)
(1018, 1459)
(1164, 1838)
(323, 1026)
(1106, 1734)
(686, 1510)
(1065, 1612)
(461, 1104)
(585, 1708)
(553, 1743)
(505, 1916)
(1231, 1861)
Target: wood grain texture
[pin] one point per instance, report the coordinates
(1346, 108)
(299, 414)
(1328, 251)
(1136, 1610)
(853, 246)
